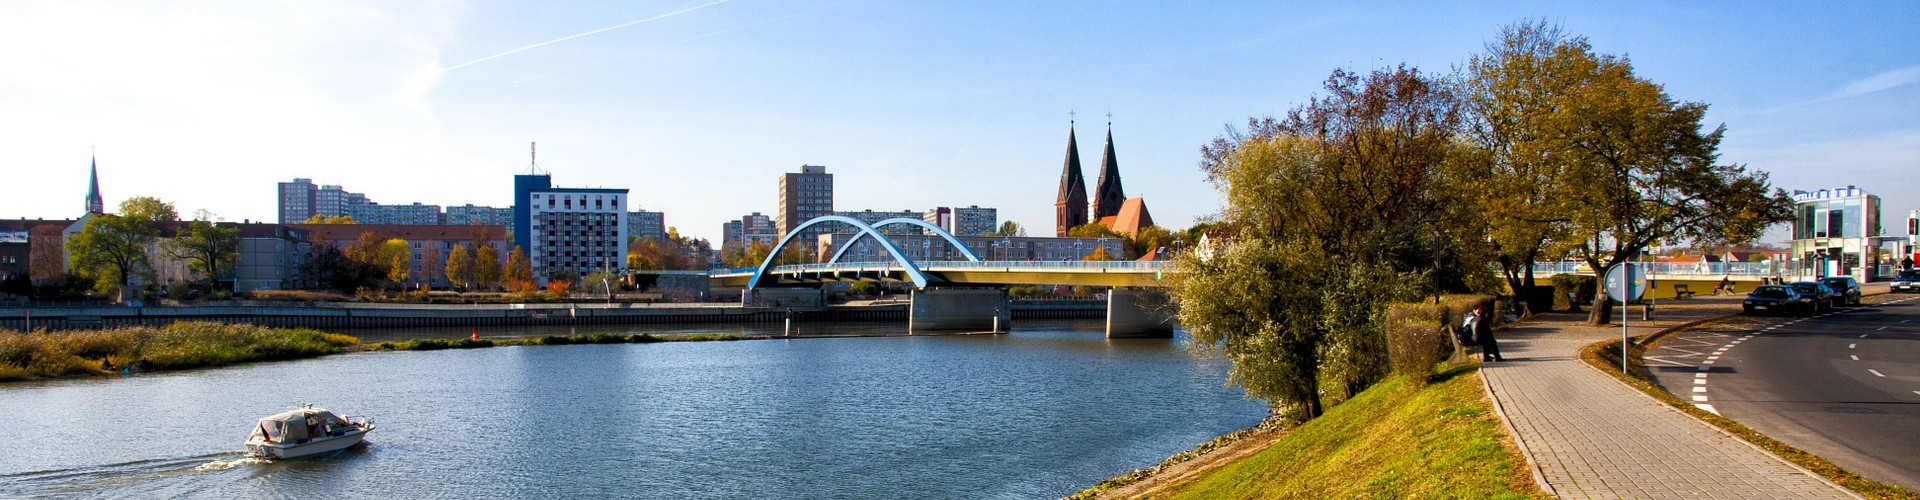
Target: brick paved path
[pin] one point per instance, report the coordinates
(1591, 436)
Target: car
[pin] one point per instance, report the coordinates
(1906, 281)
(1823, 297)
(1846, 286)
(1777, 299)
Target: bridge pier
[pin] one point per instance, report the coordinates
(959, 309)
(1139, 313)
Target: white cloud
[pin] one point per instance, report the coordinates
(1883, 81)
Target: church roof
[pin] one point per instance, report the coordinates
(1132, 218)
(1071, 182)
(1108, 195)
(94, 203)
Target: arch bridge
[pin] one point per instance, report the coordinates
(960, 294)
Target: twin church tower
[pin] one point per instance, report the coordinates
(1071, 208)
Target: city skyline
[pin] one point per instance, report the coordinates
(699, 107)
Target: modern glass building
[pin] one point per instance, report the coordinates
(1838, 232)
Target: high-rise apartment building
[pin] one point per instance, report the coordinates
(645, 224)
(964, 221)
(805, 195)
(576, 229)
(873, 217)
(475, 214)
(749, 229)
(296, 200)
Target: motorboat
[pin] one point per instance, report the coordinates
(306, 431)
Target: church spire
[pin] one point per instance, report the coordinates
(1070, 208)
(94, 204)
(1108, 195)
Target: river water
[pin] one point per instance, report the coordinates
(1038, 413)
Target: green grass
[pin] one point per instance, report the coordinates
(1394, 440)
(182, 345)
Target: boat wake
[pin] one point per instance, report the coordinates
(114, 480)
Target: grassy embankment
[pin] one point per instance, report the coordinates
(183, 345)
(1394, 440)
(1605, 356)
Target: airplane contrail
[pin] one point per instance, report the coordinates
(682, 42)
(582, 34)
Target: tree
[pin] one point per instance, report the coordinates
(46, 254)
(1099, 253)
(1008, 228)
(1335, 212)
(1093, 230)
(460, 266)
(330, 266)
(112, 248)
(1630, 165)
(208, 248)
(433, 266)
(519, 268)
(397, 258)
(336, 219)
(486, 267)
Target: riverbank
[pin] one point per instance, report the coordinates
(1392, 440)
(176, 346)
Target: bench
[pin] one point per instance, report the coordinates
(1680, 291)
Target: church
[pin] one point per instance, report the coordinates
(1110, 205)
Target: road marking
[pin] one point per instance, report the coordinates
(1881, 328)
(1875, 373)
(1709, 361)
(1699, 376)
(1916, 392)
(1855, 358)
(1713, 357)
(1850, 346)
(1699, 399)
(1863, 335)
(1709, 408)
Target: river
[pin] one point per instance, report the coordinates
(1038, 413)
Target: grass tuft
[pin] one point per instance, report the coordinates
(181, 345)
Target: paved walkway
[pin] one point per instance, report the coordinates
(1591, 436)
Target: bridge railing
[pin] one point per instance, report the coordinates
(1125, 265)
(1669, 268)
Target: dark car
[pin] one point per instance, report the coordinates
(1780, 299)
(1846, 286)
(1907, 281)
(1823, 297)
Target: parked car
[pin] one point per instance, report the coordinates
(1846, 286)
(1778, 299)
(1823, 297)
(1907, 281)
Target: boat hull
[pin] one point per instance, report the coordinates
(310, 448)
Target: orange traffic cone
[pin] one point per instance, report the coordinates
(476, 334)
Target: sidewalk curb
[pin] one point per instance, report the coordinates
(1723, 432)
(1539, 478)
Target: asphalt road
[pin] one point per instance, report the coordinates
(1844, 386)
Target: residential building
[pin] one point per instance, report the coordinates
(473, 214)
(296, 200)
(805, 195)
(1070, 206)
(749, 229)
(334, 201)
(645, 224)
(581, 230)
(269, 257)
(428, 267)
(414, 214)
(964, 221)
(921, 247)
(871, 217)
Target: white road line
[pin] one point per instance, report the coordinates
(1709, 408)
(1699, 376)
(1916, 392)
(1855, 358)
(1699, 399)
(1850, 346)
(1875, 373)
(1881, 328)
(1863, 335)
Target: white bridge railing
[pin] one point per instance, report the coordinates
(960, 265)
(1669, 268)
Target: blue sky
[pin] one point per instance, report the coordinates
(697, 106)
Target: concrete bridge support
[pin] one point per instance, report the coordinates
(1139, 313)
(959, 309)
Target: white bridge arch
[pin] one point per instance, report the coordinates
(907, 265)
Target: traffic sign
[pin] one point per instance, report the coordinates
(1626, 281)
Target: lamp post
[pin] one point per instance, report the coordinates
(926, 249)
(1006, 247)
(1176, 246)
(1076, 250)
(1103, 246)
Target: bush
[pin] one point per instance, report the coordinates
(297, 295)
(178, 345)
(1582, 287)
(1417, 339)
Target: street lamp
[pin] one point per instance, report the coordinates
(1103, 245)
(1006, 247)
(1176, 246)
(1076, 249)
(926, 249)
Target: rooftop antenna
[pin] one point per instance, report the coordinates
(533, 157)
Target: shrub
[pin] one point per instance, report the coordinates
(1417, 339)
(1582, 288)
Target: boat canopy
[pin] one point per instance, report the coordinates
(293, 426)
